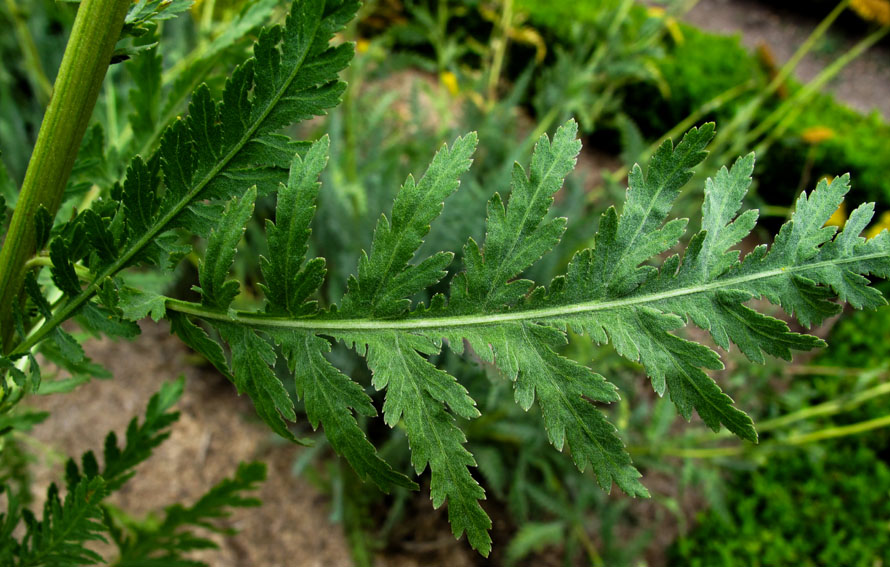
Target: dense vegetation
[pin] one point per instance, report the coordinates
(486, 330)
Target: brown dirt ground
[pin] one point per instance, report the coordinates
(216, 430)
(864, 84)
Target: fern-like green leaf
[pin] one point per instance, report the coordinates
(219, 150)
(628, 289)
(145, 14)
(614, 292)
(252, 357)
(328, 396)
(59, 537)
(386, 281)
(216, 291)
(290, 282)
(153, 543)
(141, 440)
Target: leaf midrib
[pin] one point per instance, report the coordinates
(254, 319)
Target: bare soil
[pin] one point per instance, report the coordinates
(215, 432)
(864, 84)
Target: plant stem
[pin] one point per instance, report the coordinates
(321, 324)
(500, 50)
(779, 119)
(36, 75)
(840, 431)
(804, 48)
(96, 30)
(828, 408)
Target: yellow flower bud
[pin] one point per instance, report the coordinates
(449, 79)
(817, 134)
(873, 10)
(839, 217)
(882, 224)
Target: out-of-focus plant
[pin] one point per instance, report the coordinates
(761, 113)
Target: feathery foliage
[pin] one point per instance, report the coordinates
(58, 537)
(631, 289)
(166, 542)
(611, 293)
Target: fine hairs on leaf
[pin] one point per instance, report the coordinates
(610, 293)
(631, 288)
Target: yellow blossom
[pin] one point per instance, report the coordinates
(670, 23)
(882, 224)
(449, 79)
(362, 45)
(873, 10)
(839, 217)
(655, 11)
(817, 134)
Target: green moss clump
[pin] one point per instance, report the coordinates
(798, 511)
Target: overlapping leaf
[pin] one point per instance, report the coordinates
(219, 150)
(66, 525)
(328, 394)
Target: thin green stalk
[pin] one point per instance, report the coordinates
(500, 50)
(113, 132)
(841, 431)
(207, 16)
(737, 127)
(256, 319)
(832, 407)
(782, 117)
(36, 75)
(96, 30)
(825, 409)
(695, 117)
(82, 272)
(804, 48)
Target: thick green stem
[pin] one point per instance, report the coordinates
(96, 30)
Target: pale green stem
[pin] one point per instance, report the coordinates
(500, 50)
(795, 440)
(694, 118)
(82, 272)
(804, 48)
(207, 16)
(778, 120)
(840, 431)
(831, 407)
(111, 110)
(737, 125)
(71, 305)
(825, 409)
(96, 30)
(261, 320)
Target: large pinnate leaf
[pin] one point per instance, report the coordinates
(628, 289)
(613, 293)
